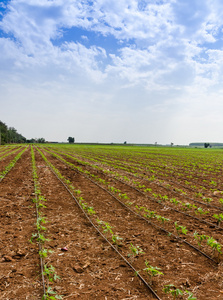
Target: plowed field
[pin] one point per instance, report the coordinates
(109, 222)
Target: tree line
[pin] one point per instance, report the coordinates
(10, 135)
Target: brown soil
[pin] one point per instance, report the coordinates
(90, 268)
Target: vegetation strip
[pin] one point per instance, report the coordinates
(176, 210)
(11, 164)
(11, 151)
(149, 197)
(135, 213)
(48, 272)
(118, 166)
(80, 205)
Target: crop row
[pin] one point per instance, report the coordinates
(215, 246)
(135, 250)
(48, 272)
(140, 170)
(11, 164)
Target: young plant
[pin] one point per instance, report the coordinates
(180, 227)
(199, 238)
(215, 246)
(219, 218)
(201, 211)
(152, 271)
(135, 251)
(174, 200)
(162, 219)
(190, 297)
(171, 289)
(116, 239)
(50, 273)
(51, 295)
(208, 200)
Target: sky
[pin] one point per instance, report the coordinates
(113, 71)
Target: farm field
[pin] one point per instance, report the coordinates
(110, 222)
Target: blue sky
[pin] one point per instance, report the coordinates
(113, 71)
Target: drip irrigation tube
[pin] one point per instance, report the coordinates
(101, 234)
(153, 224)
(176, 210)
(40, 250)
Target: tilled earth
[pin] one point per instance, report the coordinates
(90, 268)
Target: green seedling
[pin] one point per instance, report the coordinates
(77, 192)
(50, 273)
(152, 271)
(199, 238)
(44, 253)
(180, 227)
(39, 221)
(219, 218)
(171, 289)
(208, 200)
(40, 205)
(91, 210)
(215, 246)
(123, 196)
(201, 211)
(213, 183)
(162, 219)
(174, 200)
(116, 239)
(51, 295)
(135, 251)
(199, 195)
(105, 226)
(190, 297)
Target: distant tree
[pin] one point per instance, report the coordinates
(32, 141)
(3, 133)
(206, 145)
(171, 144)
(125, 143)
(71, 140)
(10, 135)
(41, 140)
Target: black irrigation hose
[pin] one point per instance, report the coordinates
(39, 244)
(169, 180)
(153, 224)
(101, 234)
(176, 210)
(40, 250)
(202, 203)
(186, 187)
(208, 205)
(141, 217)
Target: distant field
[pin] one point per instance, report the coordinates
(110, 222)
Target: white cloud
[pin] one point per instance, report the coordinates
(161, 61)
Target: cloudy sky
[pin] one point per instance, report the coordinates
(141, 71)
